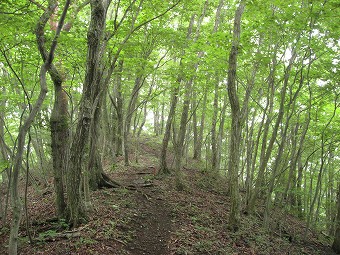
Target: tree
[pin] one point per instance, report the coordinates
(17, 207)
(236, 123)
(89, 104)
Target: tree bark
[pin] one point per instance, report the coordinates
(88, 106)
(163, 168)
(119, 109)
(213, 128)
(59, 123)
(198, 143)
(178, 146)
(236, 124)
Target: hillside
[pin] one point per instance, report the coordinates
(148, 216)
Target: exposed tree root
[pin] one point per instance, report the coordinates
(107, 182)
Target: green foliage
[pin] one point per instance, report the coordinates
(51, 233)
(86, 241)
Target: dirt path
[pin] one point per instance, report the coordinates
(151, 223)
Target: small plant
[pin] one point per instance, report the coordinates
(60, 224)
(49, 234)
(113, 167)
(204, 246)
(182, 251)
(86, 240)
(110, 230)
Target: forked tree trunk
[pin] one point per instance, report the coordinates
(59, 122)
(322, 167)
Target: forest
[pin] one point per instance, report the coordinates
(169, 127)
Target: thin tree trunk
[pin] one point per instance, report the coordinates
(140, 129)
(268, 150)
(169, 124)
(250, 155)
(321, 169)
(167, 134)
(213, 128)
(119, 109)
(156, 124)
(194, 123)
(216, 149)
(282, 144)
(18, 158)
(130, 110)
(181, 136)
(198, 143)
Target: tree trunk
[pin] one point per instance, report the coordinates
(59, 123)
(139, 81)
(282, 145)
(156, 124)
(322, 166)
(18, 158)
(213, 128)
(140, 129)
(194, 122)
(5, 150)
(167, 134)
(60, 145)
(119, 109)
(179, 145)
(236, 124)
(198, 144)
(266, 152)
(88, 106)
